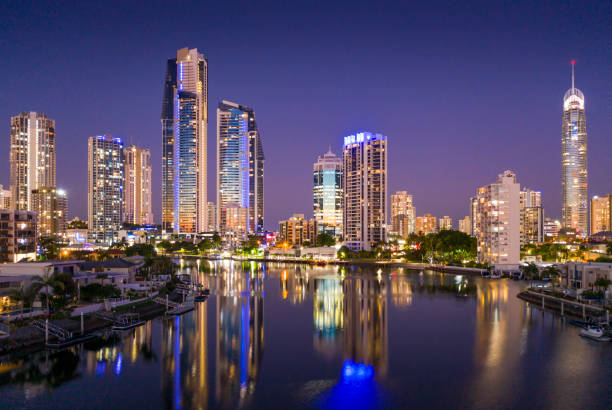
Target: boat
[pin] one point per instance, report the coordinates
(595, 333)
(200, 298)
(206, 292)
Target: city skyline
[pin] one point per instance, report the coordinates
(538, 83)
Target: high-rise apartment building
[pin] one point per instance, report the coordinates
(297, 230)
(474, 215)
(5, 198)
(574, 181)
(240, 165)
(532, 216)
(212, 217)
(445, 223)
(498, 236)
(17, 235)
(51, 206)
(600, 214)
(327, 193)
(137, 186)
(426, 224)
(105, 188)
(465, 225)
(31, 157)
(551, 228)
(184, 122)
(365, 190)
(403, 214)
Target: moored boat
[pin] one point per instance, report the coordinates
(595, 333)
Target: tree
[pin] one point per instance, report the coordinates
(553, 272)
(47, 281)
(530, 271)
(205, 245)
(602, 283)
(325, 239)
(216, 240)
(77, 224)
(142, 249)
(50, 246)
(167, 246)
(250, 244)
(24, 295)
(344, 252)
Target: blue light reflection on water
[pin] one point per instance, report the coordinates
(356, 388)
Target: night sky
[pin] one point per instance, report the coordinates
(463, 90)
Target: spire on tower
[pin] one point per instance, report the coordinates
(573, 62)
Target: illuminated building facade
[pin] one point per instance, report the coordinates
(51, 206)
(551, 228)
(532, 217)
(297, 230)
(474, 215)
(212, 217)
(403, 214)
(445, 223)
(137, 186)
(240, 165)
(498, 237)
(5, 198)
(574, 182)
(184, 122)
(365, 190)
(105, 188)
(31, 157)
(17, 235)
(465, 225)
(600, 214)
(426, 224)
(327, 193)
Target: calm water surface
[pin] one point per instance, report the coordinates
(287, 336)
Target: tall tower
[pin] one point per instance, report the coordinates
(137, 186)
(365, 190)
(32, 157)
(184, 132)
(240, 168)
(574, 182)
(104, 188)
(327, 193)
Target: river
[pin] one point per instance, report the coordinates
(291, 336)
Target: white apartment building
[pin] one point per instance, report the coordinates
(498, 230)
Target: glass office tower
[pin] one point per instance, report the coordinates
(327, 193)
(574, 182)
(184, 152)
(240, 168)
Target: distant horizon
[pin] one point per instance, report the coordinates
(460, 99)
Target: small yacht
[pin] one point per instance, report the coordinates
(595, 333)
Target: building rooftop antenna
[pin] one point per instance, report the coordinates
(573, 62)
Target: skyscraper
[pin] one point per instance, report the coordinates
(240, 165)
(498, 214)
(31, 157)
(137, 186)
(51, 206)
(600, 214)
(574, 181)
(104, 188)
(403, 214)
(365, 190)
(184, 133)
(327, 193)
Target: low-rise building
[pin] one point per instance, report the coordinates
(17, 235)
(579, 275)
(426, 224)
(445, 223)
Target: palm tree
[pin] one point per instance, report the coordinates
(553, 272)
(530, 270)
(46, 281)
(25, 295)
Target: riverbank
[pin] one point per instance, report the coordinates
(562, 306)
(457, 270)
(28, 339)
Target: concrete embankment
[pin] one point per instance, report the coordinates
(563, 306)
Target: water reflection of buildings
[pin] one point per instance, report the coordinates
(239, 333)
(184, 352)
(401, 289)
(328, 314)
(365, 322)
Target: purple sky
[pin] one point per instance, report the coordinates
(463, 91)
